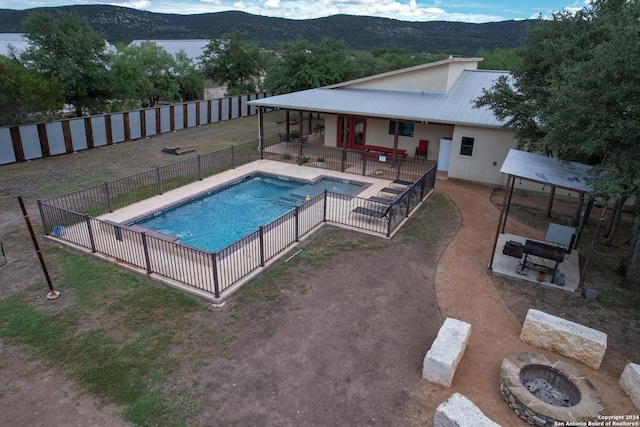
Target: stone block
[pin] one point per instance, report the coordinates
(458, 411)
(564, 337)
(630, 382)
(442, 359)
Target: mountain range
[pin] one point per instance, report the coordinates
(122, 25)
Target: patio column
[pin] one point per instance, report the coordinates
(261, 130)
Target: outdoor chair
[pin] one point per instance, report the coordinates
(421, 149)
(386, 211)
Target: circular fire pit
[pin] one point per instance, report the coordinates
(541, 392)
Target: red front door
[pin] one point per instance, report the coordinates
(351, 132)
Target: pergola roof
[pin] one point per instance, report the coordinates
(547, 170)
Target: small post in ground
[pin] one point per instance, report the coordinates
(53, 294)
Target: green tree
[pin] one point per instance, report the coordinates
(498, 59)
(25, 95)
(233, 63)
(188, 77)
(303, 66)
(146, 74)
(575, 93)
(64, 47)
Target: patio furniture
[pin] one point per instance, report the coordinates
(388, 211)
(377, 151)
(401, 182)
(421, 149)
(318, 128)
(389, 190)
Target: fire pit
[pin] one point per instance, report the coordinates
(541, 392)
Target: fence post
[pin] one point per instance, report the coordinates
(296, 223)
(398, 169)
(107, 190)
(147, 259)
(324, 207)
(159, 179)
(389, 221)
(261, 230)
(216, 285)
(364, 163)
(199, 168)
(44, 220)
(233, 158)
(87, 218)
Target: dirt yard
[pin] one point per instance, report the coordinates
(340, 343)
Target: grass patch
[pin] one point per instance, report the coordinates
(425, 224)
(114, 336)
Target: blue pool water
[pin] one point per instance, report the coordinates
(216, 220)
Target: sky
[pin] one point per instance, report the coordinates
(472, 11)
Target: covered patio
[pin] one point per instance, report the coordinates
(553, 261)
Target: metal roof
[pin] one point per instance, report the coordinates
(454, 107)
(16, 40)
(547, 170)
(192, 48)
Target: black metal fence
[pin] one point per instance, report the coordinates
(71, 217)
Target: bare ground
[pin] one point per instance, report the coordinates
(340, 343)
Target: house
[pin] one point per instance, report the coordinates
(13, 43)
(433, 101)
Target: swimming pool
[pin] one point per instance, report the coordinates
(217, 219)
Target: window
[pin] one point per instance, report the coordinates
(404, 128)
(466, 148)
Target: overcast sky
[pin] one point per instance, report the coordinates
(475, 11)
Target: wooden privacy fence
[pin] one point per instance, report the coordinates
(33, 141)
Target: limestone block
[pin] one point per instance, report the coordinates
(564, 337)
(458, 411)
(630, 382)
(442, 359)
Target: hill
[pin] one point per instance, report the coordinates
(121, 25)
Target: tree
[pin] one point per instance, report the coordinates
(188, 77)
(575, 93)
(303, 66)
(498, 59)
(145, 73)
(64, 47)
(232, 63)
(25, 95)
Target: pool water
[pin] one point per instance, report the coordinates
(215, 220)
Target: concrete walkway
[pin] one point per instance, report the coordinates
(465, 291)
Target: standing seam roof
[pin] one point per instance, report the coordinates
(454, 107)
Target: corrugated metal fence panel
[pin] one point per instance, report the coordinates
(178, 117)
(165, 119)
(191, 115)
(214, 111)
(234, 108)
(134, 124)
(55, 138)
(150, 120)
(99, 131)
(78, 134)
(204, 110)
(30, 142)
(7, 155)
(117, 128)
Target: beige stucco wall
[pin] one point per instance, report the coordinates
(491, 145)
(490, 149)
(438, 78)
